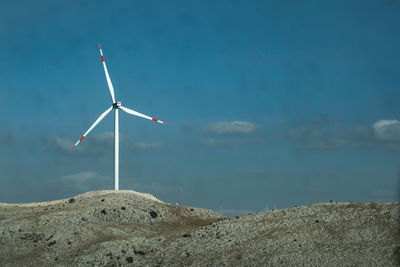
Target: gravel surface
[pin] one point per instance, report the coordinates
(127, 228)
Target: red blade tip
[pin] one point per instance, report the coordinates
(73, 146)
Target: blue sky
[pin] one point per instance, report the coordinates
(269, 103)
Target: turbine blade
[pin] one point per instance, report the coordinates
(110, 86)
(130, 111)
(93, 125)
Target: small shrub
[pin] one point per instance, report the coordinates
(32, 237)
(153, 214)
(140, 252)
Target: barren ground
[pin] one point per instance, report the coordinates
(108, 228)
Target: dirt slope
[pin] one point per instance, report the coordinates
(108, 228)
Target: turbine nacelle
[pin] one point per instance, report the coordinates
(117, 105)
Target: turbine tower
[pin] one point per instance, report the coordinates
(115, 106)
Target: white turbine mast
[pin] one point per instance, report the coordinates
(116, 106)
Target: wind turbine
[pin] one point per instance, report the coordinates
(115, 106)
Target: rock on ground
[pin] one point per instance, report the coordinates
(127, 228)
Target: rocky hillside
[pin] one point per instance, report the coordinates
(108, 228)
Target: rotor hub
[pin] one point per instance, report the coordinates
(117, 105)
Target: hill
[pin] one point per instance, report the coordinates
(118, 228)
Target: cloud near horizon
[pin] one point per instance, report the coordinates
(387, 130)
(101, 143)
(231, 128)
(330, 135)
(80, 177)
(84, 181)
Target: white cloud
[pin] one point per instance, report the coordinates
(387, 130)
(233, 127)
